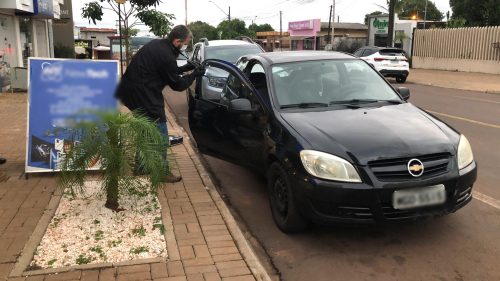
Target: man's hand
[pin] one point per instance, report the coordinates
(199, 71)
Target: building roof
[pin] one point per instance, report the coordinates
(101, 30)
(295, 56)
(346, 25)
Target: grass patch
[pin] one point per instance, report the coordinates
(138, 250)
(114, 243)
(96, 221)
(98, 249)
(139, 231)
(82, 259)
(99, 235)
(51, 262)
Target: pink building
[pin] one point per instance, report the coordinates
(303, 34)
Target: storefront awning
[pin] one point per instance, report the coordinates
(300, 37)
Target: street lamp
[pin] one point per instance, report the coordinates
(228, 15)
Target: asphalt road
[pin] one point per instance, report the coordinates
(460, 246)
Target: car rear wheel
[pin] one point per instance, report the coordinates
(401, 79)
(281, 198)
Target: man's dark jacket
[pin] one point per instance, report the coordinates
(151, 69)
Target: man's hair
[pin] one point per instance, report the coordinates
(179, 32)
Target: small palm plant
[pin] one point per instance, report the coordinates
(122, 143)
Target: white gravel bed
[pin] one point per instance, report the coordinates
(83, 231)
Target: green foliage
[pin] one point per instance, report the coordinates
(260, 27)
(138, 250)
(456, 23)
(122, 142)
(92, 11)
(476, 12)
(232, 29)
(99, 235)
(51, 262)
(114, 243)
(139, 231)
(408, 8)
(202, 30)
(159, 23)
(98, 249)
(96, 221)
(82, 259)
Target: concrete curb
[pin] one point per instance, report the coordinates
(242, 243)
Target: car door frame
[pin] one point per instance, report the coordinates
(199, 103)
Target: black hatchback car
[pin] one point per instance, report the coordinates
(337, 142)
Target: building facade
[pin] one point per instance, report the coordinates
(99, 36)
(314, 34)
(25, 31)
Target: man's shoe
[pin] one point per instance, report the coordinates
(2, 160)
(170, 178)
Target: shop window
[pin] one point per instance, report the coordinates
(26, 33)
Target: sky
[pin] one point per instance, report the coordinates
(260, 11)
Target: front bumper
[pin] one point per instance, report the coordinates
(328, 202)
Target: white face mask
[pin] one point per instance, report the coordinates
(184, 47)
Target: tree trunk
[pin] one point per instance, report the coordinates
(112, 195)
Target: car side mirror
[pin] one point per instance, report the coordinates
(240, 106)
(404, 92)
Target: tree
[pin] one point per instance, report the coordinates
(131, 12)
(260, 28)
(476, 12)
(122, 142)
(203, 30)
(376, 13)
(409, 8)
(232, 29)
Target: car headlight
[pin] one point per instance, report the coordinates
(464, 154)
(329, 167)
(217, 82)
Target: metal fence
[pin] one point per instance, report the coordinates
(477, 43)
(454, 48)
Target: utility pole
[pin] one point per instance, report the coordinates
(330, 22)
(229, 15)
(281, 31)
(333, 23)
(120, 28)
(425, 12)
(390, 35)
(186, 10)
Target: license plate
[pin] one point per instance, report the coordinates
(394, 61)
(418, 197)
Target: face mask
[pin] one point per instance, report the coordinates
(184, 48)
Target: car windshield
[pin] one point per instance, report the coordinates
(329, 82)
(392, 52)
(231, 53)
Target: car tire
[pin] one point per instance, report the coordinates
(282, 201)
(401, 79)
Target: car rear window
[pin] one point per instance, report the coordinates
(392, 52)
(230, 53)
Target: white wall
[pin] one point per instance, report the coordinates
(8, 41)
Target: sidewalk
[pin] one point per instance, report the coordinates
(471, 81)
(206, 243)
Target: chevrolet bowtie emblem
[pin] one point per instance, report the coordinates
(415, 167)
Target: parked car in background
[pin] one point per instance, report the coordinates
(227, 50)
(390, 62)
(337, 142)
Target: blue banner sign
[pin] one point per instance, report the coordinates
(43, 8)
(58, 91)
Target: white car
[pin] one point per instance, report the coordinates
(390, 62)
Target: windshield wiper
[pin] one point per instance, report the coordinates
(360, 101)
(305, 105)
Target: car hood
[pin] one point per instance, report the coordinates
(367, 134)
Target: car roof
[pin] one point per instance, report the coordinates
(294, 56)
(216, 43)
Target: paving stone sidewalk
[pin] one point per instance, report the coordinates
(471, 81)
(207, 244)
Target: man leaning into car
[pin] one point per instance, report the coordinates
(151, 69)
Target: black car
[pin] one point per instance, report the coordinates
(337, 142)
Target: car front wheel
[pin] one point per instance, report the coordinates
(281, 198)
(401, 79)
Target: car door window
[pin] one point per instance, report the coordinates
(257, 77)
(235, 89)
(359, 52)
(195, 53)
